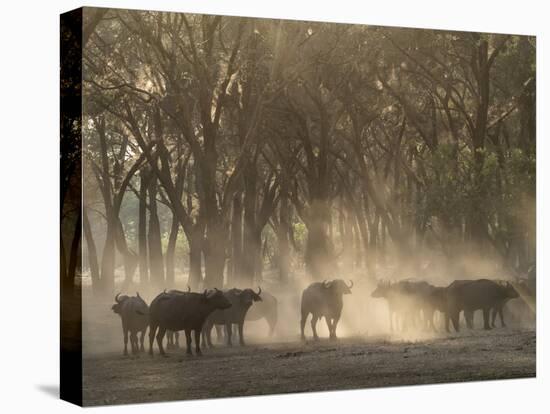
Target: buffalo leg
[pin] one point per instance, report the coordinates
(493, 317)
(455, 319)
(430, 315)
(486, 312)
(329, 326)
(501, 315)
(176, 339)
(271, 321)
(209, 336)
(188, 341)
(219, 334)
(125, 330)
(203, 334)
(334, 326)
(152, 331)
(169, 339)
(469, 318)
(302, 325)
(314, 319)
(141, 340)
(134, 342)
(241, 335)
(160, 337)
(228, 329)
(198, 342)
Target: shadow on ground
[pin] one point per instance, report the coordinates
(51, 390)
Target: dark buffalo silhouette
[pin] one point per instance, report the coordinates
(323, 299)
(435, 301)
(265, 309)
(416, 309)
(384, 291)
(173, 337)
(511, 293)
(241, 300)
(472, 295)
(408, 302)
(186, 311)
(134, 314)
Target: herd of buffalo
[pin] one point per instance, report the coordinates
(412, 304)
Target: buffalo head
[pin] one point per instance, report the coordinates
(217, 299)
(510, 291)
(381, 290)
(248, 296)
(119, 301)
(338, 286)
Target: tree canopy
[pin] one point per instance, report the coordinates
(227, 147)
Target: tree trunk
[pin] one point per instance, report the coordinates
(155, 246)
(142, 228)
(129, 257)
(63, 261)
(108, 258)
(346, 234)
(195, 256)
(250, 240)
(283, 233)
(236, 241)
(359, 248)
(74, 254)
(318, 254)
(214, 254)
(171, 251)
(92, 253)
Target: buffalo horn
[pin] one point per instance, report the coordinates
(350, 284)
(116, 298)
(259, 290)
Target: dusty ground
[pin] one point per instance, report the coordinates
(267, 368)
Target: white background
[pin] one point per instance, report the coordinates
(29, 204)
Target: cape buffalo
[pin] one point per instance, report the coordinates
(510, 293)
(408, 301)
(415, 303)
(241, 301)
(323, 299)
(471, 295)
(384, 290)
(435, 301)
(173, 337)
(134, 314)
(183, 311)
(265, 309)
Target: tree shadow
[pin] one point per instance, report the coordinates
(50, 389)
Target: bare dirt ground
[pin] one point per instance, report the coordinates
(288, 367)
